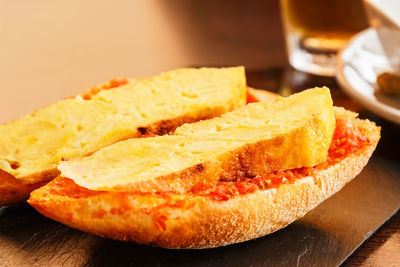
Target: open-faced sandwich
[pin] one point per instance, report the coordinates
(31, 147)
(214, 182)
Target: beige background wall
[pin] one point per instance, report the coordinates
(53, 49)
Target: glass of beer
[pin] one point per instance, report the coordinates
(316, 29)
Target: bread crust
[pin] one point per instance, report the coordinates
(203, 222)
(13, 191)
(262, 95)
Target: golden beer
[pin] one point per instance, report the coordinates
(329, 23)
(321, 26)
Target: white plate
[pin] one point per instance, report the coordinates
(358, 65)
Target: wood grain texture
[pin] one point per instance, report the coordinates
(382, 249)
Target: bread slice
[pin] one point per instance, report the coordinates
(259, 95)
(31, 147)
(258, 138)
(195, 220)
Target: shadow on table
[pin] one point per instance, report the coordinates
(283, 248)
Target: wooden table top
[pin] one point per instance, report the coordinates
(52, 50)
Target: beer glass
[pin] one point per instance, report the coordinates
(316, 29)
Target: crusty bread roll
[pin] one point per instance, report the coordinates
(257, 138)
(31, 147)
(211, 215)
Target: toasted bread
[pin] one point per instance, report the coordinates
(257, 138)
(259, 95)
(31, 147)
(203, 220)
